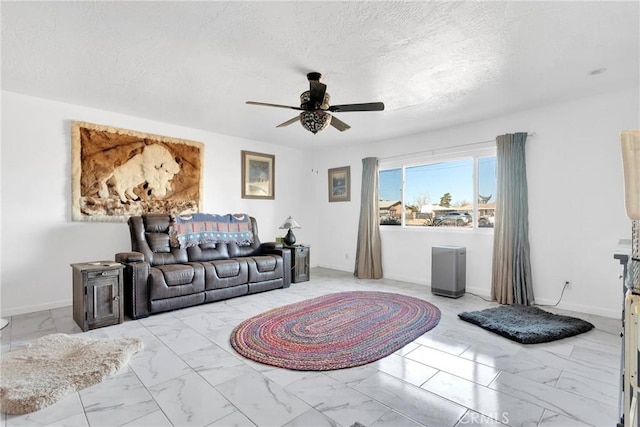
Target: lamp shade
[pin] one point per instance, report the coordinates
(290, 223)
(630, 140)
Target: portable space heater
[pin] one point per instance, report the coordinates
(448, 270)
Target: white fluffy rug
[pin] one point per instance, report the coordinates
(50, 368)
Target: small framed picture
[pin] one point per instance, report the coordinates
(258, 175)
(340, 184)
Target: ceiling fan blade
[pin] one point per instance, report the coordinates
(265, 104)
(317, 92)
(339, 124)
(289, 122)
(369, 106)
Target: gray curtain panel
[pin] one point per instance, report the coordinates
(511, 268)
(369, 249)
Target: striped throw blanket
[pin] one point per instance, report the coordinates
(192, 230)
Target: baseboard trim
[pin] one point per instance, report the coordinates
(7, 312)
(587, 309)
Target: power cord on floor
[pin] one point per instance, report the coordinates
(480, 296)
(559, 299)
(539, 305)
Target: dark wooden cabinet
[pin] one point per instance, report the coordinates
(97, 294)
(300, 263)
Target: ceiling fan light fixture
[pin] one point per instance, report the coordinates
(315, 121)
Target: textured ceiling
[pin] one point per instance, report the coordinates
(433, 63)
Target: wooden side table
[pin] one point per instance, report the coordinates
(300, 255)
(97, 294)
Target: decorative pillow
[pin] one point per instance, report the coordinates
(192, 230)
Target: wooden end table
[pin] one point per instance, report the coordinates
(97, 294)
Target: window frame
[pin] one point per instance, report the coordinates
(433, 157)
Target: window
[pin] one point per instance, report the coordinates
(486, 191)
(448, 191)
(390, 192)
(439, 194)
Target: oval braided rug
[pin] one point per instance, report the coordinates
(334, 331)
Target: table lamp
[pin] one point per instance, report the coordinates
(290, 223)
(630, 140)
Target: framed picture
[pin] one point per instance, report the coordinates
(340, 184)
(117, 173)
(258, 177)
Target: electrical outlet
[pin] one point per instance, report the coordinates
(346, 256)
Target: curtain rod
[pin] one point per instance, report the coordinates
(433, 151)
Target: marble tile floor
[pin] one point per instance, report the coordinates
(457, 374)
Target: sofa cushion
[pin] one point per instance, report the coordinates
(208, 252)
(225, 273)
(168, 281)
(149, 236)
(156, 232)
(156, 223)
(264, 267)
(158, 242)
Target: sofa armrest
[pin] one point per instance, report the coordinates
(272, 245)
(285, 253)
(128, 257)
(136, 292)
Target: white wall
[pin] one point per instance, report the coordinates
(39, 240)
(576, 203)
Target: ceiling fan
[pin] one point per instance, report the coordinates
(315, 109)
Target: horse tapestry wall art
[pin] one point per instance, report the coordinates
(117, 173)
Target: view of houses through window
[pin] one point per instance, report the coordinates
(447, 193)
